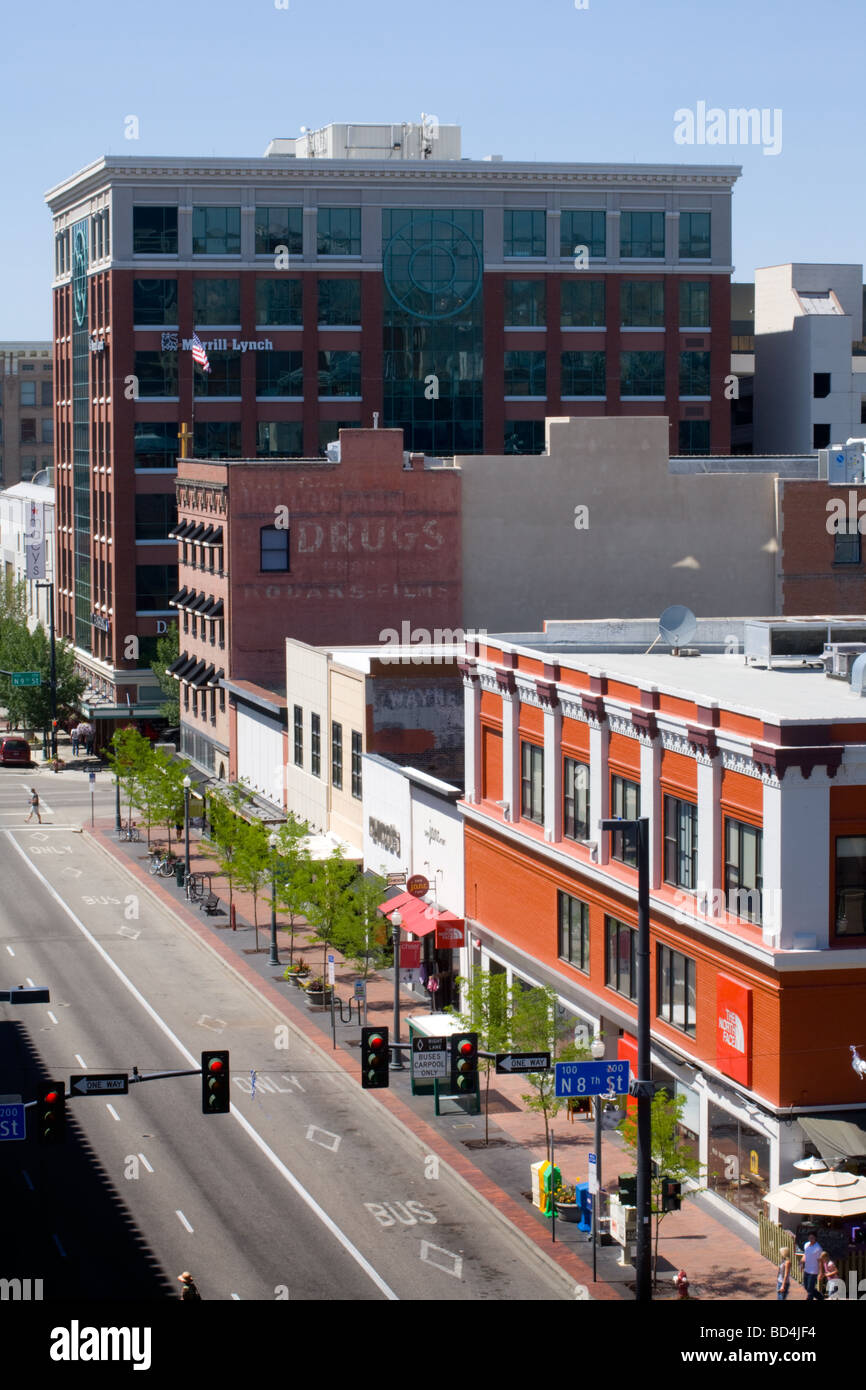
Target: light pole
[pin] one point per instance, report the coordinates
(396, 1054)
(49, 585)
(117, 820)
(273, 841)
(186, 786)
(597, 1049)
(642, 1087)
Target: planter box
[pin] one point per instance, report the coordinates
(567, 1211)
(318, 998)
(297, 979)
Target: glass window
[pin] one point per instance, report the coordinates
(155, 514)
(675, 990)
(154, 586)
(224, 377)
(279, 227)
(339, 232)
(625, 803)
(280, 438)
(274, 547)
(820, 436)
(578, 228)
(573, 932)
(216, 231)
(216, 301)
(642, 374)
(694, 373)
(575, 793)
(584, 373)
(743, 869)
(524, 437)
(154, 302)
(339, 373)
(526, 374)
(356, 765)
(820, 385)
(280, 374)
(278, 301)
(525, 233)
(694, 436)
(695, 304)
(154, 231)
(850, 885)
(694, 236)
(155, 444)
(582, 304)
(299, 736)
(340, 302)
(620, 972)
(316, 744)
(156, 372)
(642, 235)
(47, 390)
(47, 431)
(846, 543)
(524, 304)
(28, 393)
(642, 304)
(28, 431)
(218, 439)
(681, 843)
(738, 1162)
(532, 783)
(337, 755)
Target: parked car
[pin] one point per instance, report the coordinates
(15, 752)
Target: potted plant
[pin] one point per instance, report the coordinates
(566, 1203)
(297, 973)
(318, 992)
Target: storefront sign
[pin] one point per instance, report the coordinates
(418, 885)
(734, 1023)
(410, 955)
(387, 837)
(169, 343)
(450, 935)
(103, 623)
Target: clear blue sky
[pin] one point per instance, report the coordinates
(528, 79)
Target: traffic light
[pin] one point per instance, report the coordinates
(374, 1058)
(215, 1085)
(464, 1062)
(628, 1189)
(50, 1112)
(671, 1194)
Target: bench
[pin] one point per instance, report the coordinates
(210, 903)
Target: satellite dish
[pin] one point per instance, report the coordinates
(858, 675)
(677, 625)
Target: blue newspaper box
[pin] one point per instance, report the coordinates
(584, 1198)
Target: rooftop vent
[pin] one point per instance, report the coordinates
(839, 658)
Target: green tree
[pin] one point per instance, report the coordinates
(225, 819)
(487, 1013)
(362, 936)
(22, 650)
(167, 651)
(252, 863)
(129, 757)
(535, 1028)
(671, 1154)
(328, 905)
(293, 876)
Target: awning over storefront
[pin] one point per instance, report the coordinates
(419, 918)
(842, 1135)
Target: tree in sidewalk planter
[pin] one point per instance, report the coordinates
(252, 863)
(671, 1154)
(362, 937)
(224, 811)
(535, 1027)
(22, 650)
(167, 652)
(329, 906)
(128, 756)
(486, 1012)
(293, 874)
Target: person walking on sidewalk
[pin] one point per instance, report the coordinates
(188, 1287)
(74, 739)
(34, 805)
(812, 1256)
(783, 1278)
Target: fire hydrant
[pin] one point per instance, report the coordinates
(681, 1283)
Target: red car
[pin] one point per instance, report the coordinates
(15, 752)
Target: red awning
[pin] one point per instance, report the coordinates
(419, 917)
(396, 902)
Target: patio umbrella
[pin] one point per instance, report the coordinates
(812, 1164)
(824, 1194)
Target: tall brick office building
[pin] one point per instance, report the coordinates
(358, 271)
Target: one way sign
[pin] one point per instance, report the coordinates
(509, 1063)
(115, 1084)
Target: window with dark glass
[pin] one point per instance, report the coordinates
(278, 227)
(337, 755)
(624, 803)
(340, 302)
(298, 726)
(582, 304)
(695, 304)
(694, 373)
(217, 439)
(47, 431)
(681, 843)
(280, 374)
(675, 990)
(524, 437)
(821, 436)
(278, 301)
(224, 377)
(525, 373)
(642, 304)
(743, 869)
(356, 765)
(577, 229)
(642, 373)
(280, 439)
(154, 231)
(47, 389)
(339, 373)
(850, 884)
(642, 235)
(28, 431)
(820, 385)
(155, 514)
(525, 232)
(694, 236)
(620, 971)
(524, 304)
(575, 792)
(274, 548)
(154, 586)
(216, 231)
(694, 436)
(154, 302)
(316, 744)
(339, 232)
(846, 542)
(532, 783)
(27, 393)
(156, 373)
(584, 373)
(573, 932)
(216, 301)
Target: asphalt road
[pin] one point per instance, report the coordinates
(307, 1191)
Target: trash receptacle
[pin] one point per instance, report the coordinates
(179, 872)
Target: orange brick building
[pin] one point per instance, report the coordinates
(754, 783)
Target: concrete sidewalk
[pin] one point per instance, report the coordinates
(719, 1258)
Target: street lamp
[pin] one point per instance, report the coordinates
(396, 1053)
(186, 786)
(642, 1087)
(117, 820)
(273, 841)
(49, 585)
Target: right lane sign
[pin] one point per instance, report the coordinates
(591, 1078)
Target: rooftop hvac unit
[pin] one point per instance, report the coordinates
(839, 657)
(843, 463)
(332, 452)
(797, 640)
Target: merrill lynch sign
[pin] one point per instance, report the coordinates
(169, 343)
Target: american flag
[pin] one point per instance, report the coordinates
(198, 353)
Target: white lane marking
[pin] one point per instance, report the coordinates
(145, 1162)
(240, 1119)
(56, 1240)
(215, 1025)
(30, 982)
(111, 1110)
(26, 1177)
(51, 1016)
(183, 1221)
(9, 949)
(130, 932)
(80, 1060)
(313, 1130)
(454, 1263)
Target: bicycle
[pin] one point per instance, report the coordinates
(129, 831)
(194, 886)
(162, 861)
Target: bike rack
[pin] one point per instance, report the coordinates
(339, 1003)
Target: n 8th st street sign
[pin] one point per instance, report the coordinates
(591, 1078)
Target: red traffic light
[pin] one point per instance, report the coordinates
(375, 1055)
(215, 1064)
(465, 1047)
(376, 1041)
(50, 1097)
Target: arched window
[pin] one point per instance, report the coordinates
(274, 548)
